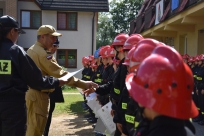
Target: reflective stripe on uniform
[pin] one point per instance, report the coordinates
(97, 75)
(5, 67)
(199, 78)
(198, 108)
(136, 124)
(98, 80)
(195, 76)
(130, 119)
(202, 113)
(88, 77)
(117, 91)
(124, 106)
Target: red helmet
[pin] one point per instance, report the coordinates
(129, 56)
(110, 52)
(201, 57)
(85, 61)
(91, 58)
(93, 65)
(132, 41)
(191, 59)
(164, 83)
(144, 49)
(116, 61)
(185, 56)
(120, 39)
(197, 58)
(104, 51)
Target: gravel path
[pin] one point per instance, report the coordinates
(70, 125)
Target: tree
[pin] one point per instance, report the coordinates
(123, 12)
(105, 31)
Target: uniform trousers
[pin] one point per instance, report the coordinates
(49, 119)
(12, 115)
(37, 104)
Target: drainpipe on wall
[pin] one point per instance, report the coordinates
(93, 33)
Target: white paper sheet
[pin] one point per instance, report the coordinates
(91, 96)
(104, 114)
(95, 106)
(69, 75)
(100, 127)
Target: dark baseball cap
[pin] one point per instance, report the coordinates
(8, 21)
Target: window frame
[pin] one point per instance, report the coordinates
(30, 18)
(68, 21)
(1, 9)
(66, 57)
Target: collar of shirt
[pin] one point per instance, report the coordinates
(39, 44)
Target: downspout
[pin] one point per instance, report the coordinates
(92, 50)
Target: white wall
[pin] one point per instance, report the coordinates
(80, 39)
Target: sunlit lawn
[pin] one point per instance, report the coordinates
(72, 104)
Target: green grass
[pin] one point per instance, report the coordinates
(70, 90)
(72, 105)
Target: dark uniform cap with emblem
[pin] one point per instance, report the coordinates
(8, 21)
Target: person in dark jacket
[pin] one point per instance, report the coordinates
(56, 96)
(17, 72)
(165, 103)
(200, 88)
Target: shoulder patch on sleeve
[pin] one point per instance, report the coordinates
(49, 57)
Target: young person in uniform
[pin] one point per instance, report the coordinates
(165, 102)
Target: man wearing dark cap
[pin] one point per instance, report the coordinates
(17, 71)
(38, 102)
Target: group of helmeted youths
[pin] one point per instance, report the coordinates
(196, 63)
(148, 83)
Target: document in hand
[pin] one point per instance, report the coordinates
(91, 96)
(95, 106)
(69, 75)
(104, 114)
(100, 127)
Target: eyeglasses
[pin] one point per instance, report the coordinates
(17, 30)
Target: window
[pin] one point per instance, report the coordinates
(31, 19)
(67, 58)
(67, 20)
(1, 12)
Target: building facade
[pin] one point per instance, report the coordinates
(76, 20)
(178, 23)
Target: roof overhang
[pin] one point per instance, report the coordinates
(74, 5)
(182, 22)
